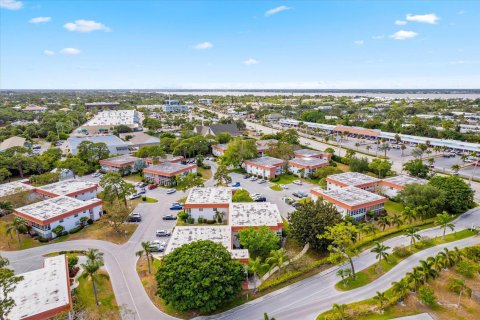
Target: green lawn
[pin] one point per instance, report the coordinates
(361, 279)
(286, 179)
(393, 207)
(136, 177)
(276, 187)
(150, 200)
(86, 299)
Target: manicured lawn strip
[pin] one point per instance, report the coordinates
(371, 273)
(108, 308)
(206, 173)
(393, 207)
(150, 200)
(276, 187)
(286, 179)
(134, 178)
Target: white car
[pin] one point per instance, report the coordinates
(253, 178)
(285, 187)
(170, 191)
(298, 182)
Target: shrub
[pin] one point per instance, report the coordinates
(200, 220)
(190, 221)
(75, 230)
(210, 221)
(89, 221)
(276, 179)
(401, 251)
(427, 296)
(467, 268)
(425, 242)
(42, 239)
(182, 215)
(473, 253)
(206, 166)
(58, 230)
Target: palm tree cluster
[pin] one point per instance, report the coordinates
(277, 258)
(91, 267)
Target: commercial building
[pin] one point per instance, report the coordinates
(205, 102)
(218, 150)
(309, 153)
(165, 173)
(75, 188)
(139, 139)
(208, 203)
(166, 158)
(105, 121)
(14, 187)
(215, 129)
(63, 211)
(351, 201)
(266, 167)
(124, 164)
(102, 105)
(305, 167)
(174, 106)
(43, 293)
(354, 179)
(219, 234)
(115, 144)
(12, 142)
(391, 186)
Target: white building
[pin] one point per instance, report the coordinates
(469, 128)
(105, 121)
(305, 167)
(352, 179)
(206, 202)
(75, 188)
(10, 188)
(266, 167)
(205, 102)
(391, 186)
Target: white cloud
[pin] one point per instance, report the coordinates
(85, 26)
(70, 51)
(203, 45)
(11, 4)
(359, 42)
(430, 18)
(403, 35)
(250, 61)
(48, 52)
(40, 20)
(276, 10)
(379, 37)
(400, 22)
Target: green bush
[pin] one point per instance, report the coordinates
(427, 296)
(89, 221)
(276, 179)
(42, 239)
(75, 230)
(210, 221)
(182, 215)
(425, 242)
(144, 198)
(401, 251)
(58, 230)
(190, 221)
(200, 220)
(473, 253)
(467, 268)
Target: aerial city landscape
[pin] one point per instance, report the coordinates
(239, 160)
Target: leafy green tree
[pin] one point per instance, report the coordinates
(311, 219)
(44, 178)
(456, 202)
(380, 167)
(427, 296)
(417, 195)
(384, 221)
(8, 283)
(152, 124)
(417, 168)
(224, 137)
(401, 288)
(358, 164)
(459, 287)
(18, 226)
(4, 174)
(324, 172)
(241, 195)
(222, 176)
(395, 220)
(342, 247)
(189, 180)
(289, 136)
(409, 214)
(281, 150)
(259, 241)
(443, 220)
(199, 276)
(74, 164)
(150, 151)
(381, 253)
(239, 150)
(91, 153)
(115, 188)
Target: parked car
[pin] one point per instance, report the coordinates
(253, 178)
(170, 191)
(236, 185)
(176, 206)
(303, 194)
(261, 181)
(246, 176)
(169, 217)
(297, 194)
(36, 146)
(255, 195)
(297, 182)
(284, 186)
(162, 233)
(96, 175)
(260, 199)
(135, 217)
(142, 191)
(135, 196)
(155, 247)
(295, 204)
(152, 186)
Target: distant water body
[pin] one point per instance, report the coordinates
(394, 94)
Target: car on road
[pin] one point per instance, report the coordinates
(152, 186)
(141, 184)
(176, 206)
(96, 175)
(253, 178)
(295, 204)
(169, 217)
(236, 185)
(261, 181)
(170, 191)
(142, 191)
(135, 217)
(246, 176)
(157, 246)
(283, 186)
(135, 196)
(260, 199)
(297, 182)
(162, 233)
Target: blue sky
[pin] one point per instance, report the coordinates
(239, 44)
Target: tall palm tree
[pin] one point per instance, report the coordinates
(428, 270)
(147, 251)
(403, 147)
(277, 258)
(455, 168)
(370, 228)
(412, 233)
(415, 279)
(255, 266)
(401, 288)
(409, 214)
(459, 286)
(381, 253)
(448, 257)
(91, 268)
(6, 207)
(368, 148)
(340, 310)
(17, 225)
(95, 256)
(438, 262)
(381, 299)
(443, 220)
(383, 222)
(396, 220)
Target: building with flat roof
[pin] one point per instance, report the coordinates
(125, 164)
(106, 121)
(34, 109)
(115, 144)
(351, 201)
(218, 150)
(305, 167)
(74, 188)
(14, 187)
(166, 158)
(205, 102)
(63, 211)
(206, 202)
(309, 153)
(354, 179)
(243, 215)
(139, 139)
(165, 173)
(219, 234)
(102, 105)
(12, 142)
(266, 167)
(391, 186)
(43, 293)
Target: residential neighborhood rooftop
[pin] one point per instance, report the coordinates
(166, 158)
(54, 207)
(168, 168)
(403, 180)
(266, 161)
(209, 195)
(307, 152)
(308, 162)
(266, 142)
(254, 214)
(12, 142)
(351, 196)
(42, 290)
(13, 187)
(139, 138)
(218, 234)
(121, 160)
(66, 187)
(114, 118)
(352, 178)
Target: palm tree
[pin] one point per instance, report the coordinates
(475, 165)
(412, 233)
(381, 253)
(360, 229)
(428, 270)
(459, 286)
(385, 147)
(91, 268)
(438, 262)
(381, 299)
(146, 245)
(443, 220)
(6, 207)
(448, 257)
(401, 288)
(277, 258)
(17, 225)
(403, 147)
(218, 216)
(415, 279)
(266, 317)
(95, 256)
(383, 222)
(368, 148)
(255, 266)
(396, 220)
(357, 145)
(340, 310)
(370, 228)
(409, 214)
(455, 168)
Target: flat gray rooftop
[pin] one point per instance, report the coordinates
(209, 195)
(169, 167)
(307, 152)
(68, 186)
(353, 178)
(403, 180)
(350, 196)
(124, 159)
(308, 161)
(9, 188)
(266, 161)
(254, 214)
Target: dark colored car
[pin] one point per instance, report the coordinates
(169, 217)
(260, 199)
(152, 186)
(135, 217)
